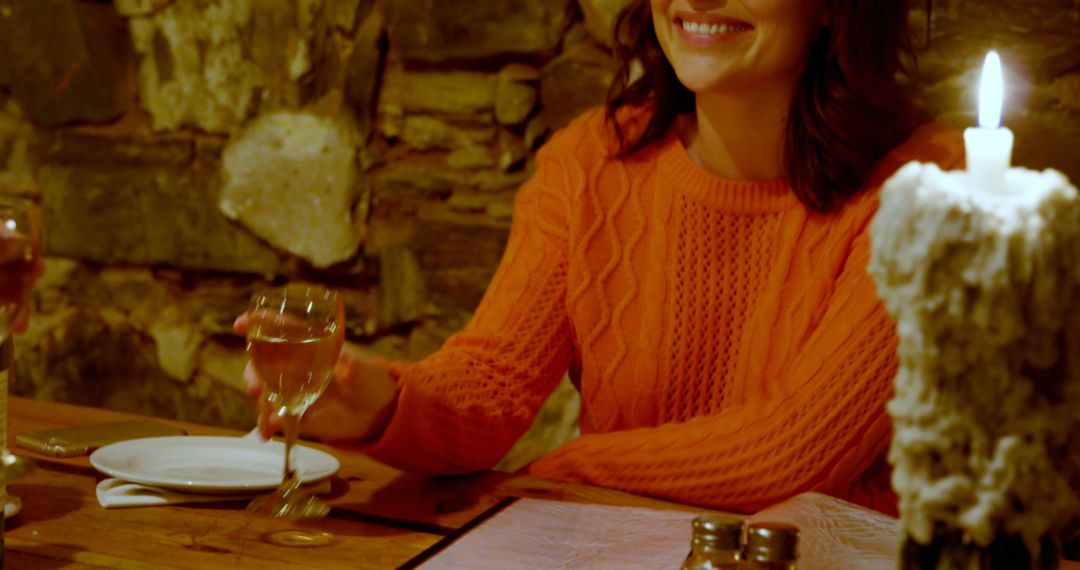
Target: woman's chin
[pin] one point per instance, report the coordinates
(706, 83)
(706, 76)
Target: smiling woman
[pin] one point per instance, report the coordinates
(695, 257)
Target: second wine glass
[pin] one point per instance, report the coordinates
(295, 335)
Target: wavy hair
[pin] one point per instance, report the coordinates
(851, 105)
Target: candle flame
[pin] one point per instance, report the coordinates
(991, 92)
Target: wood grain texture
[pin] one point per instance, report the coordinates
(382, 517)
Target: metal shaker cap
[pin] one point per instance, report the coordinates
(772, 542)
(719, 530)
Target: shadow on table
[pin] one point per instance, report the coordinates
(42, 502)
(385, 516)
(41, 556)
(435, 505)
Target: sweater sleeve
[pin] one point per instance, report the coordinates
(462, 408)
(820, 432)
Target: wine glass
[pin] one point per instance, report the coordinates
(20, 266)
(295, 335)
(20, 263)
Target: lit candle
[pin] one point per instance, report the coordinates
(978, 269)
(989, 146)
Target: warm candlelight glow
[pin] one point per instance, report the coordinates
(991, 92)
(989, 146)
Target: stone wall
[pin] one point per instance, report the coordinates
(1039, 42)
(186, 152)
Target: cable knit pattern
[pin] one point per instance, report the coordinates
(727, 342)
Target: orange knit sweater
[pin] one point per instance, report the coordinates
(728, 344)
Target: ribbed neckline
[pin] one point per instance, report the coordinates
(737, 196)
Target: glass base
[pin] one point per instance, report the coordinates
(293, 538)
(294, 503)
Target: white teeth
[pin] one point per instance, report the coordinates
(714, 29)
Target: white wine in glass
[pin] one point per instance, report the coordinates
(295, 335)
(295, 365)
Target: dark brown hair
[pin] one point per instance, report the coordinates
(850, 105)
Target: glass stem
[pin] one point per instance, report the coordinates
(291, 478)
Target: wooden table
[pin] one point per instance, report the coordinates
(381, 517)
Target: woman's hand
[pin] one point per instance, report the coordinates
(355, 406)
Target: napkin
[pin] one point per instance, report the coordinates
(117, 493)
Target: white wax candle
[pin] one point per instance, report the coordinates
(989, 147)
(985, 294)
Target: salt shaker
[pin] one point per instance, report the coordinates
(715, 544)
(771, 546)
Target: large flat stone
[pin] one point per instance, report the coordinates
(423, 132)
(292, 179)
(436, 30)
(65, 61)
(213, 66)
(145, 216)
(450, 92)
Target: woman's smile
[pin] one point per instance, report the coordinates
(734, 45)
(704, 30)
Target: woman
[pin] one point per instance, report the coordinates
(696, 257)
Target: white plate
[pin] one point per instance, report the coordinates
(208, 464)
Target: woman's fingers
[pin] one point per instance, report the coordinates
(269, 422)
(345, 411)
(240, 325)
(252, 384)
